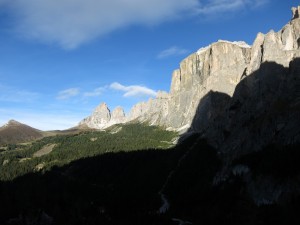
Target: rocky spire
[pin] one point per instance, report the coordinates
(103, 118)
(295, 11)
(118, 115)
(99, 119)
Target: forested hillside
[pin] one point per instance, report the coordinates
(63, 149)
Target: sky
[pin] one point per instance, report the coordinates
(59, 59)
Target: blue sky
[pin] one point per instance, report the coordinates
(59, 59)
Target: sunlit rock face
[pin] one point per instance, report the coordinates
(219, 67)
(99, 118)
(222, 67)
(118, 115)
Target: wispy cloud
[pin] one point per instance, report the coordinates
(71, 23)
(172, 51)
(133, 90)
(12, 94)
(96, 92)
(212, 7)
(68, 93)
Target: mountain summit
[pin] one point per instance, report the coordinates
(16, 132)
(11, 123)
(103, 118)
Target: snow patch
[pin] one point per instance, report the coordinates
(202, 50)
(241, 44)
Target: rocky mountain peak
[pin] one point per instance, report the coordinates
(295, 11)
(102, 108)
(103, 118)
(118, 115)
(99, 119)
(11, 123)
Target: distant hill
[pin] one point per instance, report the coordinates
(16, 132)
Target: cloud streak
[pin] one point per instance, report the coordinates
(172, 51)
(133, 90)
(71, 23)
(96, 92)
(12, 94)
(222, 6)
(68, 93)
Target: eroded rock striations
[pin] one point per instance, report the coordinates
(222, 67)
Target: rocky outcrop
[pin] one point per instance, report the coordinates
(118, 116)
(99, 119)
(295, 11)
(103, 118)
(217, 68)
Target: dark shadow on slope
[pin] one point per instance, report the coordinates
(113, 188)
(263, 115)
(261, 102)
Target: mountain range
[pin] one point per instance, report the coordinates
(236, 110)
(219, 67)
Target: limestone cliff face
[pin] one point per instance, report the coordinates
(217, 68)
(265, 105)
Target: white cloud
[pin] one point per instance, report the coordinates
(70, 23)
(172, 51)
(96, 92)
(68, 93)
(133, 90)
(73, 22)
(259, 3)
(212, 7)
